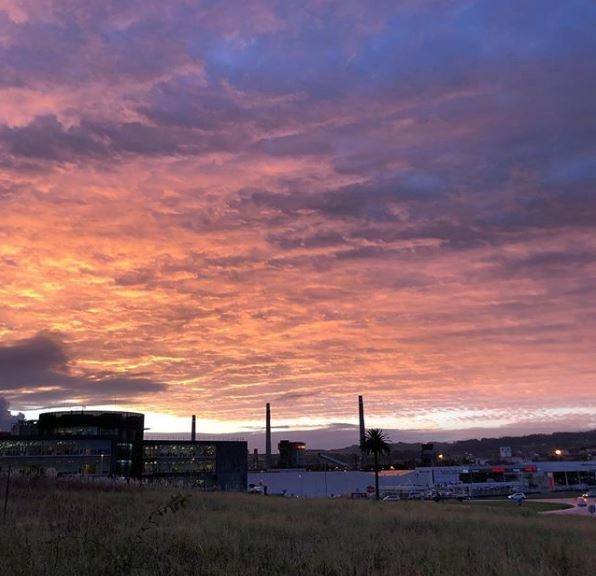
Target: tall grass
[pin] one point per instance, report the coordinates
(51, 531)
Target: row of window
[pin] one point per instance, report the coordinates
(579, 477)
(63, 466)
(93, 431)
(186, 466)
(189, 451)
(54, 448)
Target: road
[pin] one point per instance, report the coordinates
(575, 511)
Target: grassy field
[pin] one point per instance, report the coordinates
(50, 530)
(522, 510)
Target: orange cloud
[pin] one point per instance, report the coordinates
(219, 210)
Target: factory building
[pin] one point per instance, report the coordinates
(291, 454)
(105, 443)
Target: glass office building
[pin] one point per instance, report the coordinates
(56, 456)
(210, 464)
(110, 443)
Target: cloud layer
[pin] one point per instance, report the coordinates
(301, 202)
(7, 419)
(38, 371)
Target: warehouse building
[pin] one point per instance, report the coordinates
(487, 480)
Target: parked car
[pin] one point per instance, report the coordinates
(256, 489)
(517, 497)
(391, 498)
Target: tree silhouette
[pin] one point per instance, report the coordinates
(376, 443)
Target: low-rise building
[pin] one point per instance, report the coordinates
(210, 464)
(106, 443)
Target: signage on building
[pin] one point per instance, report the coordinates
(505, 451)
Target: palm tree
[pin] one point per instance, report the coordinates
(376, 443)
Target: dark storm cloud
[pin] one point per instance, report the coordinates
(374, 200)
(319, 239)
(546, 263)
(47, 139)
(36, 371)
(118, 42)
(574, 208)
(476, 81)
(20, 361)
(6, 418)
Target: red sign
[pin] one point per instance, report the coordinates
(530, 469)
(497, 470)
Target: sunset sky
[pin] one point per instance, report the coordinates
(206, 206)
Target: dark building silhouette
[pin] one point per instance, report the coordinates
(102, 443)
(291, 454)
(427, 454)
(25, 428)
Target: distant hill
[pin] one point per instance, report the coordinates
(541, 445)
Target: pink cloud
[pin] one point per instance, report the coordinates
(262, 204)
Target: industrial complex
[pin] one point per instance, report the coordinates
(299, 472)
(98, 444)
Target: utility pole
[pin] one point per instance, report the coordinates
(362, 429)
(6, 492)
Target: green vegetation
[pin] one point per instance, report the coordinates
(51, 531)
(527, 507)
(375, 443)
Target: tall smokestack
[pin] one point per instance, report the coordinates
(193, 428)
(361, 416)
(268, 436)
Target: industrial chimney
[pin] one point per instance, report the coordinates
(193, 428)
(361, 416)
(268, 436)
